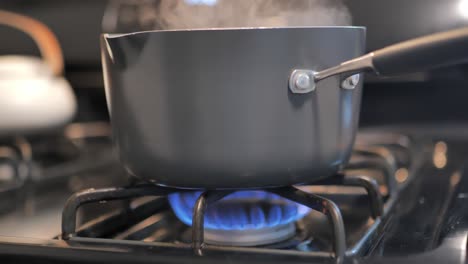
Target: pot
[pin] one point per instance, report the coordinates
(250, 107)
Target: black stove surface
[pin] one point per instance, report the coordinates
(423, 215)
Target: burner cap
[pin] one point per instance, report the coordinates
(243, 218)
(254, 237)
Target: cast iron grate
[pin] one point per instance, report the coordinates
(380, 157)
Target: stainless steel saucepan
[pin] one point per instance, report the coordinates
(247, 108)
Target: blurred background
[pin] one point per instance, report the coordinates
(425, 97)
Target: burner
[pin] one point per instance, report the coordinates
(244, 218)
(254, 237)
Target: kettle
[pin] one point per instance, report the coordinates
(34, 96)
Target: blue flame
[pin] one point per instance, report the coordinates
(243, 210)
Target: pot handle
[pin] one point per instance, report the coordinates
(432, 51)
(424, 53)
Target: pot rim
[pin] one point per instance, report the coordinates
(117, 35)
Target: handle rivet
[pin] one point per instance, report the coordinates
(351, 82)
(302, 81)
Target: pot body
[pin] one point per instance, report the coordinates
(212, 108)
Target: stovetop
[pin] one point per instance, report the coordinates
(401, 198)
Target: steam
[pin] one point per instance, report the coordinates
(189, 14)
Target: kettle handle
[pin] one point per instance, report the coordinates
(42, 36)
